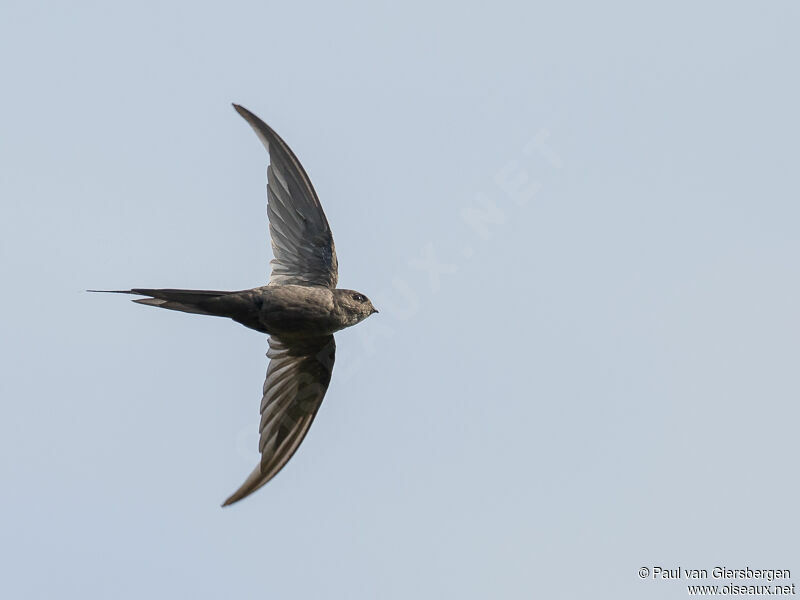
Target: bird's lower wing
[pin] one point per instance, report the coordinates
(297, 379)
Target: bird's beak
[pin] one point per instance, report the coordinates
(374, 310)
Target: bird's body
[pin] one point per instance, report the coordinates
(300, 309)
(287, 311)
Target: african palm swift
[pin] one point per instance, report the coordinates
(300, 309)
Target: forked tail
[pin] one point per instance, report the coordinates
(200, 302)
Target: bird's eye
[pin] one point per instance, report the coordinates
(359, 298)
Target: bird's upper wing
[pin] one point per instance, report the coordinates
(301, 237)
(297, 379)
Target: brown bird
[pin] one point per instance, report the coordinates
(300, 308)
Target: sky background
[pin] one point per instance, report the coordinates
(579, 222)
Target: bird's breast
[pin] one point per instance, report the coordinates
(297, 311)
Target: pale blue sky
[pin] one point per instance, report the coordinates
(579, 221)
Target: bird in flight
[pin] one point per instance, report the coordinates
(300, 309)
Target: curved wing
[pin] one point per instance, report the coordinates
(301, 237)
(297, 379)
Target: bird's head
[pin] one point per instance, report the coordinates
(354, 305)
